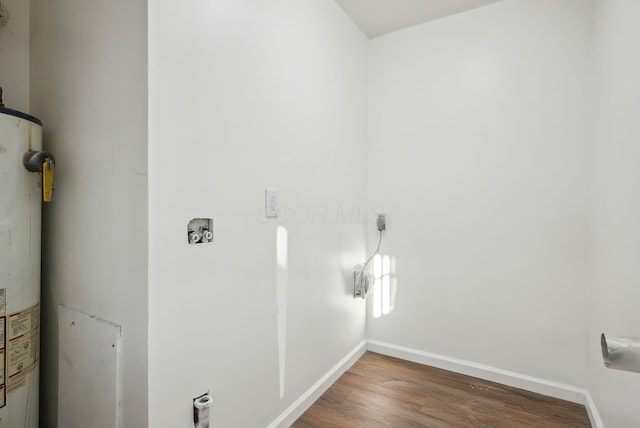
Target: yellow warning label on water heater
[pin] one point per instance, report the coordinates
(47, 180)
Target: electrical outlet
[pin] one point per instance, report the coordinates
(382, 222)
(271, 202)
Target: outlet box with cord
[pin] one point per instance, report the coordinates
(362, 277)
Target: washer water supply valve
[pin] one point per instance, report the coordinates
(200, 231)
(201, 407)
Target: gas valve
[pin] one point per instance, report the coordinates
(45, 163)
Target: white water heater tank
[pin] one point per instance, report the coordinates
(20, 214)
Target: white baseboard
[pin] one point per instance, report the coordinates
(592, 411)
(516, 380)
(296, 410)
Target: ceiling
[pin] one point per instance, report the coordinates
(378, 17)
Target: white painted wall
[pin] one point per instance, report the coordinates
(89, 87)
(615, 200)
(14, 56)
(478, 153)
(246, 95)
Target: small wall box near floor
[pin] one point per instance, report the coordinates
(20, 219)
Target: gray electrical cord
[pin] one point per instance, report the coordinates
(362, 279)
(361, 287)
(374, 254)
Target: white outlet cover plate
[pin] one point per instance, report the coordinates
(271, 202)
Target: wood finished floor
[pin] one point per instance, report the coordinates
(381, 391)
